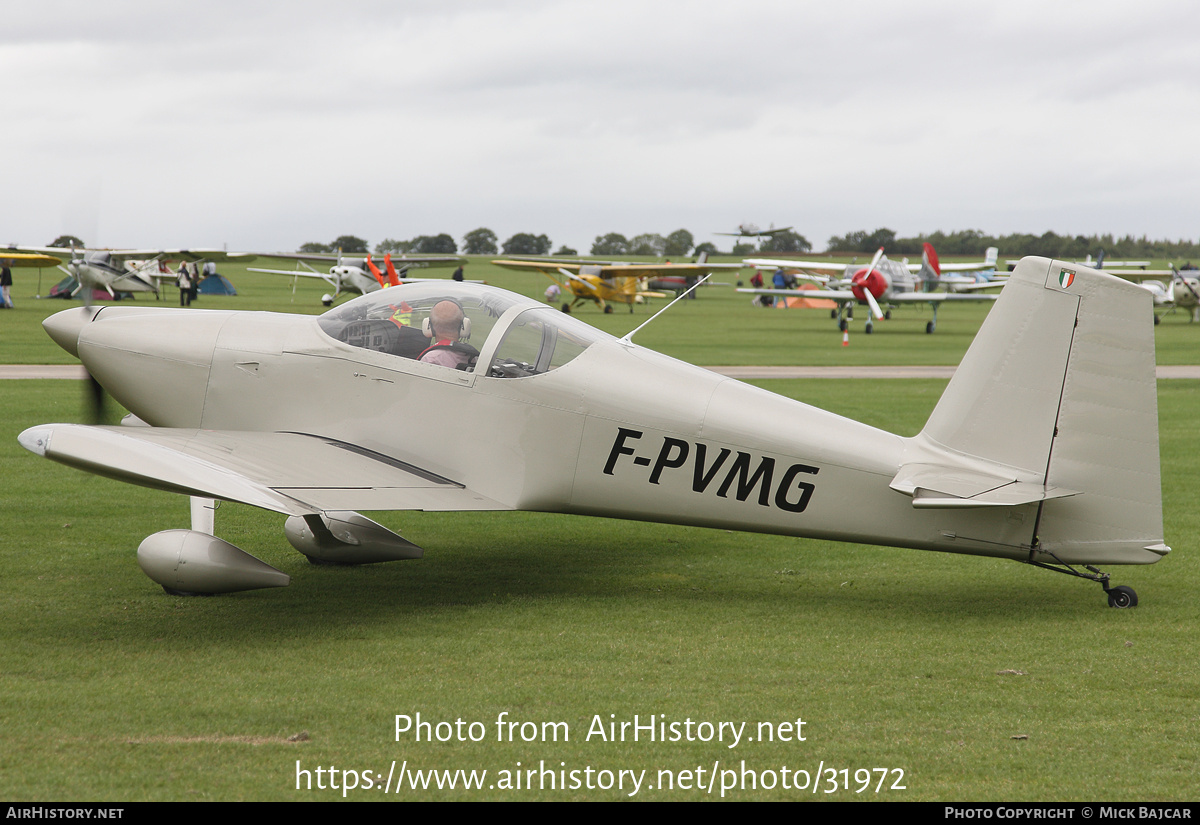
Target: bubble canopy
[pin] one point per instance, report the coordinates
(518, 336)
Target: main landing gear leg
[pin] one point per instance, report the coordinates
(1120, 596)
(932, 325)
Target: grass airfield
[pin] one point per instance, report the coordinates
(894, 659)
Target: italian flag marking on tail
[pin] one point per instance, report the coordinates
(1065, 278)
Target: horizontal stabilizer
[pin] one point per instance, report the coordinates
(932, 486)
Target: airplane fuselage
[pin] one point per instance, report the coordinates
(619, 431)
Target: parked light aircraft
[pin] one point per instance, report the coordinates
(749, 230)
(356, 275)
(881, 281)
(123, 270)
(1043, 448)
(603, 282)
(1178, 291)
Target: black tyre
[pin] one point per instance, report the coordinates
(1122, 597)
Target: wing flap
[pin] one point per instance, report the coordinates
(290, 473)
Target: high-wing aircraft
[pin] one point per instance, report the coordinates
(880, 282)
(1043, 448)
(749, 230)
(356, 275)
(123, 270)
(608, 282)
(1175, 291)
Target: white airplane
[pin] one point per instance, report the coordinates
(1043, 448)
(123, 270)
(1179, 291)
(880, 282)
(356, 275)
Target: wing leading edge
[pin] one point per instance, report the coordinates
(289, 473)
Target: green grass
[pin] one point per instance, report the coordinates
(111, 690)
(720, 327)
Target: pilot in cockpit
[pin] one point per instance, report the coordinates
(447, 326)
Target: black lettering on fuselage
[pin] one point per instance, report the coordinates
(742, 477)
(745, 486)
(806, 489)
(665, 460)
(702, 477)
(619, 449)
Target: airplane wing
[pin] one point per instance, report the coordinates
(831, 294)
(787, 263)
(894, 298)
(289, 473)
(609, 270)
(934, 297)
(138, 254)
(995, 283)
(30, 259)
(303, 273)
(1143, 274)
(332, 259)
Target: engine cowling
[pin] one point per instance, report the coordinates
(188, 562)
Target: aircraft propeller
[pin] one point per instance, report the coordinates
(865, 280)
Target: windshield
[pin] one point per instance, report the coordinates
(539, 340)
(401, 321)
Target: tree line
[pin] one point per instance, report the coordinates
(1048, 244)
(484, 241)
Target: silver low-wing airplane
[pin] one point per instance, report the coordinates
(1043, 448)
(880, 282)
(123, 270)
(357, 275)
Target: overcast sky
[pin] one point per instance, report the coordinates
(260, 126)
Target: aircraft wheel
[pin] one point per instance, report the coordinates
(843, 325)
(870, 328)
(833, 313)
(929, 328)
(1122, 597)
(887, 315)
(566, 308)
(608, 309)
(1156, 320)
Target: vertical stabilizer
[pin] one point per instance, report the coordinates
(1059, 385)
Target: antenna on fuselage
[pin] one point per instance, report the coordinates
(628, 339)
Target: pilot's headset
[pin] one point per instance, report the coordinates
(464, 330)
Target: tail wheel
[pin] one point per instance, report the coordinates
(1122, 596)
